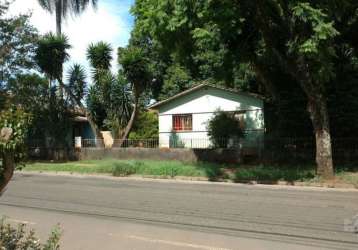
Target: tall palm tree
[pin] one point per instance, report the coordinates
(63, 8)
(136, 69)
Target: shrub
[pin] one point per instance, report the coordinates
(145, 126)
(244, 175)
(124, 169)
(272, 174)
(222, 127)
(16, 238)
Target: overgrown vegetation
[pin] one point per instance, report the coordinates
(14, 123)
(17, 238)
(131, 167)
(214, 172)
(267, 174)
(300, 55)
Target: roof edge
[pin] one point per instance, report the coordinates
(199, 86)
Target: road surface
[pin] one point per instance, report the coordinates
(105, 213)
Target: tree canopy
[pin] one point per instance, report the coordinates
(17, 44)
(268, 46)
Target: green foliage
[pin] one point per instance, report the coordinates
(76, 80)
(94, 105)
(222, 127)
(322, 30)
(12, 238)
(135, 67)
(109, 100)
(123, 169)
(176, 80)
(17, 44)
(51, 54)
(145, 126)
(128, 167)
(29, 90)
(15, 119)
(100, 56)
(51, 118)
(265, 174)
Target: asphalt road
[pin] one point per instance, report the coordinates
(100, 213)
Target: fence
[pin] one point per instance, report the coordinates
(257, 150)
(193, 143)
(128, 143)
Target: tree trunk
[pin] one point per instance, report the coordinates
(8, 170)
(318, 111)
(131, 120)
(58, 17)
(317, 108)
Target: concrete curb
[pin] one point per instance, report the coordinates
(201, 181)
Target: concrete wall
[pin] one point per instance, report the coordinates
(202, 104)
(184, 155)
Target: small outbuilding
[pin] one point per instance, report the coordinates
(183, 118)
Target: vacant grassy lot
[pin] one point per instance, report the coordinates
(213, 172)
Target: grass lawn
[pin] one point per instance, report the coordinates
(214, 172)
(129, 167)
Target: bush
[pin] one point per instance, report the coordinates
(244, 175)
(222, 127)
(12, 238)
(145, 126)
(272, 174)
(124, 169)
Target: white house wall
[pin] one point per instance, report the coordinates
(202, 104)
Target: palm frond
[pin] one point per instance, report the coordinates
(76, 81)
(48, 5)
(51, 54)
(67, 7)
(100, 55)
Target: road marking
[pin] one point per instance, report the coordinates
(175, 243)
(21, 221)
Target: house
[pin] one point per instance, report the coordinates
(81, 127)
(183, 118)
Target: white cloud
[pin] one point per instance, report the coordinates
(108, 23)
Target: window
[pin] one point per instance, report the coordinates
(183, 122)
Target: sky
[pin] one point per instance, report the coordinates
(110, 22)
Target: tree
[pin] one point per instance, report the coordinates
(13, 127)
(118, 105)
(76, 83)
(63, 8)
(100, 56)
(145, 126)
(50, 114)
(299, 41)
(17, 44)
(109, 99)
(51, 54)
(135, 68)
